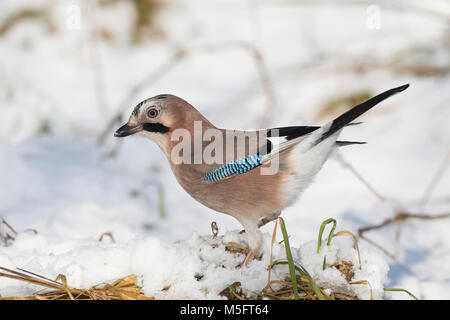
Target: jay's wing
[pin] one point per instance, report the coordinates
(244, 150)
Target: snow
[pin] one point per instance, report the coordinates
(195, 268)
(70, 189)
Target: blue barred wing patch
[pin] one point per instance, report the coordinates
(234, 167)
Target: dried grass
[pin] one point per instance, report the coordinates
(121, 289)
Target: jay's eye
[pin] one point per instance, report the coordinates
(152, 113)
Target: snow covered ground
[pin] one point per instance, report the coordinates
(59, 90)
(199, 267)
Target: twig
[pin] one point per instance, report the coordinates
(436, 178)
(366, 283)
(214, 229)
(107, 234)
(347, 165)
(274, 234)
(9, 227)
(37, 275)
(398, 218)
(54, 284)
(5, 238)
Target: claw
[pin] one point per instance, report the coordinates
(250, 256)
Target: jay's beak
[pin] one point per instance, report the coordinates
(127, 130)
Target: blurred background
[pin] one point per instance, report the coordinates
(72, 71)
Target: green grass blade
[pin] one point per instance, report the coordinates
(303, 272)
(313, 284)
(289, 258)
(286, 262)
(399, 289)
(330, 236)
(161, 205)
(322, 228)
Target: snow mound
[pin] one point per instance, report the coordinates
(198, 268)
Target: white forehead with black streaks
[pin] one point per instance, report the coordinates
(144, 102)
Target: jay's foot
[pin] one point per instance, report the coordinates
(250, 256)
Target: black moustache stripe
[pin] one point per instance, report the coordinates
(155, 127)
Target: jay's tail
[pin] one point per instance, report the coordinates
(358, 110)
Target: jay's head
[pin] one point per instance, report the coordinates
(150, 117)
(155, 118)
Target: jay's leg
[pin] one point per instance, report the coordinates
(254, 237)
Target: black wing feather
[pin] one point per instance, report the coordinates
(290, 132)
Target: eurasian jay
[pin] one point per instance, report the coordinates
(251, 175)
